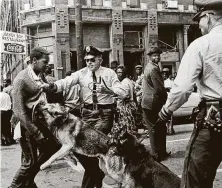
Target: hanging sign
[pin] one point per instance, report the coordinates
(12, 43)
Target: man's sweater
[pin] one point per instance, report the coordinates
(25, 94)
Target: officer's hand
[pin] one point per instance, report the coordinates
(164, 115)
(100, 88)
(45, 86)
(48, 87)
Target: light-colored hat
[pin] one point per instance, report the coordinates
(138, 67)
(207, 6)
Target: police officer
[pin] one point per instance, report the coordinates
(154, 97)
(202, 64)
(98, 85)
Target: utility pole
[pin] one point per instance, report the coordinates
(79, 34)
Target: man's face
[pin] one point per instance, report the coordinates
(165, 75)
(5, 84)
(138, 71)
(155, 58)
(41, 64)
(120, 74)
(93, 62)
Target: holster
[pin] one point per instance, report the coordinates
(208, 115)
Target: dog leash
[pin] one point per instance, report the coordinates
(147, 132)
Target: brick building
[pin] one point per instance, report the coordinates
(123, 29)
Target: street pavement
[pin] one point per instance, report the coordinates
(66, 175)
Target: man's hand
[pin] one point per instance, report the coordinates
(164, 115)
(49, 87)
(100, 88)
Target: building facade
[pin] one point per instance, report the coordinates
(124, 29)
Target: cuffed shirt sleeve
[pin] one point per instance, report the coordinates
(66, 83)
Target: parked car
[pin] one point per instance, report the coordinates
(185, 111)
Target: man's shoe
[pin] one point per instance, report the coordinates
(166, 156)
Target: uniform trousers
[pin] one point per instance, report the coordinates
(202, 158)
(101, 120)
(157, 134)
(32, 158)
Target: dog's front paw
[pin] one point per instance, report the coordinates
(44, 166)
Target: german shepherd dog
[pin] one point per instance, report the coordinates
(141, 170)
(76, 137)
(70, 132)
(120, 154)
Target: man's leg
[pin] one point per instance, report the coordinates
(29, 158)
(45, 152)
(93, 175)
(203, 156)
(150, 119)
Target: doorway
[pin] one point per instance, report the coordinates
(131, 59)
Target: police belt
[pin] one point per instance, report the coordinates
(213, 117)
(100, 106)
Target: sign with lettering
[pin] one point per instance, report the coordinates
(12, 43)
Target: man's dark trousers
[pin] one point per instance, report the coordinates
(102, 121)
(202, 158)
(31, 161)
(157, 133)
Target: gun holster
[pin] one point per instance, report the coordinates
(208, 116)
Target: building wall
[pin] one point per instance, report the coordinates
(104, 25)
(98, 35)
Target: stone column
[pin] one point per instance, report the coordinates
(185, 36)
(116, 35)
(62, 46)
(152, 31)
(179, 35)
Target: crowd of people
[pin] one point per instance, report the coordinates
(98, 94)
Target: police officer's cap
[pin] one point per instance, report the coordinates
(206, 6)
(90, 52)
(155, 50)
(138, 67)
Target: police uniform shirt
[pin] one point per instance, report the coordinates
(84, 78)
(201, 64)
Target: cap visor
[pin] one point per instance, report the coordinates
(197, 16)
(89, 56)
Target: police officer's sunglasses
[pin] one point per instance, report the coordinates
(91, 60)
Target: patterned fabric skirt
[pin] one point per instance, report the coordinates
(126, 119)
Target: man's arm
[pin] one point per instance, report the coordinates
(158, 82)
(62, 85)
(189, 71)
(20, 111)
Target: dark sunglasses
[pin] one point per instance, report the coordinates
(91, 60)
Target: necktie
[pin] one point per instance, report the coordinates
(94, 93)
